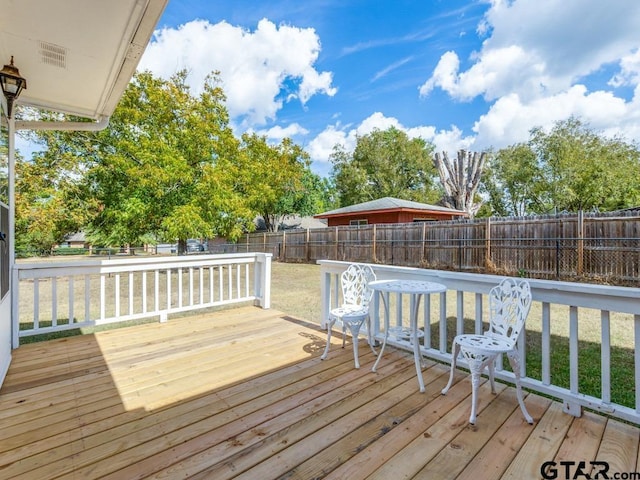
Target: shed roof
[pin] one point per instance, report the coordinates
(390, 204)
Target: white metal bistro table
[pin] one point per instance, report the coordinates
(415, 288)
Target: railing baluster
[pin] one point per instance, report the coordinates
(54, 301)
(605, 356)
(546, 343)
(117, 294)
(478, 320)
(190, 285)
(220, 283)
(71, 300)
(211, 296)
(102, 297)
(131, 293)
(443, 322)
(180, 290)
(573, 349)
(36, 303)
(156, 291)
(87, 298)
(144, 292)
(636, 338)
(460, 312)
(238, 289)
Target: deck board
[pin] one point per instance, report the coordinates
(243, 394)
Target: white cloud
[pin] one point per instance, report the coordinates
(536, 63)
(509, 120)
(278, 132)
(537, 48)
(629, 70)
(258, 69)
(321, 147)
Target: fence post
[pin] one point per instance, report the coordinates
(336, 246)
(424, 243)
(373, 252)
(306, 246)
(580, 262)
(487, 245)
(283, 254)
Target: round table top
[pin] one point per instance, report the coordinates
(407, 286)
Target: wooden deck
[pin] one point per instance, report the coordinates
(243, 393)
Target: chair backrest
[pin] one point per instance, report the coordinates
(354, 281)
(509, 304)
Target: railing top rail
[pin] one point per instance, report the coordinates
(586, 295)
(133, 261)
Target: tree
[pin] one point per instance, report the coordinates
(569, 168)
(385, 164)
(583, 170)
(162, 170)
(278, 180)
(460, 179)
(514, 181)
(47, 199)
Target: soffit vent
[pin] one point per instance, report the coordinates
(53, 55)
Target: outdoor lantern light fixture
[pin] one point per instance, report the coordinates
(12, 84)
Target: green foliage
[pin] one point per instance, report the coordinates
(385, 164)
(167, 168)
(570, 168)
(278, 180)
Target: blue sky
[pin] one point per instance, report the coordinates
(460, 74)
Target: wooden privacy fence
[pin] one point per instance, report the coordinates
(585, 246)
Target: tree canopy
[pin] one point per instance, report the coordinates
(167, 168)
(569, 168)
(385, 163)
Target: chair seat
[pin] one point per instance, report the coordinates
(350, 313)
(484, 344)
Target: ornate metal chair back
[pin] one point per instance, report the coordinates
(509, 304)
(354, 281)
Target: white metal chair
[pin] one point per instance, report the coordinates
(509, 304)
(354, 310)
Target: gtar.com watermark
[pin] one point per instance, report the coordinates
(571, 470)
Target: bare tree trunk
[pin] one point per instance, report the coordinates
(460, 179)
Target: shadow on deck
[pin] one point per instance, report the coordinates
(242, 393)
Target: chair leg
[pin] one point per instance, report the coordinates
(370, 338)
(355, 332)
(326, 349)
(492, 372)
(454, 358)
(515, 366)
(476, 371)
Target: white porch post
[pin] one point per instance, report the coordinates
(11, 235)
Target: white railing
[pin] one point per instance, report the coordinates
(56, 296)
(558, 309)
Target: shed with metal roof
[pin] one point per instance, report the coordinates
(389, 210)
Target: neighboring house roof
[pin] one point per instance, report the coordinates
(292, 222)
(389, 203)
(75, 237)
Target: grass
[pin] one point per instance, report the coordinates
(295, 290)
